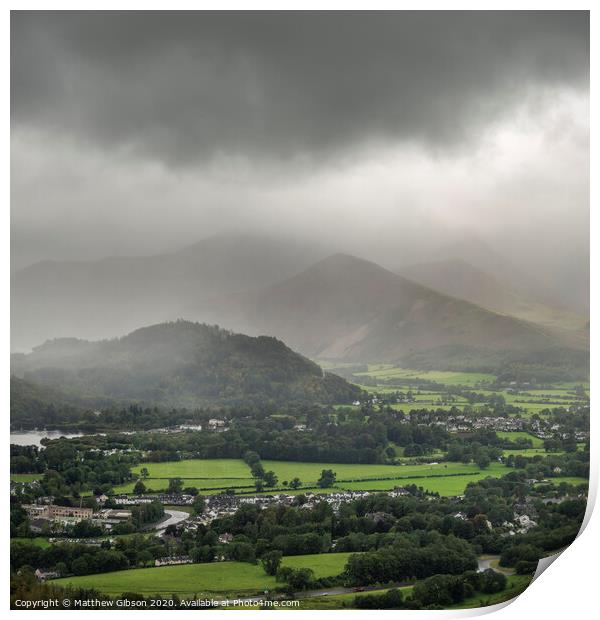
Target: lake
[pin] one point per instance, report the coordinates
(34, 438)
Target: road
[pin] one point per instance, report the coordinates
(485, 561)
(173, 518)
(312, 594)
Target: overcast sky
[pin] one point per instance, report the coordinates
(137, 133)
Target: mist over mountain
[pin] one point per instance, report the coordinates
(460, 279)
(350, 309)
(109, 297)
(560, 284)
(180, 364)
(443, 314)
(222, 279)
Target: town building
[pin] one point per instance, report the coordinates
(173, 560)
(52, 511)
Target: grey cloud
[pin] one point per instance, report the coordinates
(181, 87)
(386, 135)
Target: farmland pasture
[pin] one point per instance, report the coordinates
(444, 485)
(197, 468)
(44, 543)
(310, 472)
(286, 470)
(529, 452)
(532, 401)
(442, 477)
(389, 371)
(514, 435)
(201, 579)
(26, 477)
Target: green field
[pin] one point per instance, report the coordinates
(389, 371)
(514, 435)
(25, 477)
(38, 541)
(444, 478)
(197, 468)
(310, 472)
(447, 479)
(448, 486)
(202, 579)
(408, 407)
(528, 452)
(531, 401)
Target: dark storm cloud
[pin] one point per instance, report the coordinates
(182, 87)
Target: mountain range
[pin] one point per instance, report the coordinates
(442, 314)
(345, 308)
(460, 279)
(103, 298)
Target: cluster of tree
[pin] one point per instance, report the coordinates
(68, 471)
(575, 419)
(558, 527)
(326, 479)
(147, 513)
(576, 464)
(436, 592)
(36, 406)
(79, 559)
(547, 366)
(472, 451)
(261, 477)
(439, 591)
(182, 364)
(411, 557)
(392, 599)
(296, 578)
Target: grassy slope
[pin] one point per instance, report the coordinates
(532, 401)
(190, 579)
(514, 435)
(44, 543)
(197, 468)
(389, 371)
(308, 472)
(25, 477)
(444, 478)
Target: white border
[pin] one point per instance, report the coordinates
(567, 588)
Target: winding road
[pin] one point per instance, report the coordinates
(173, 518)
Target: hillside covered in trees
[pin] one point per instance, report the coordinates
(181, 364)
